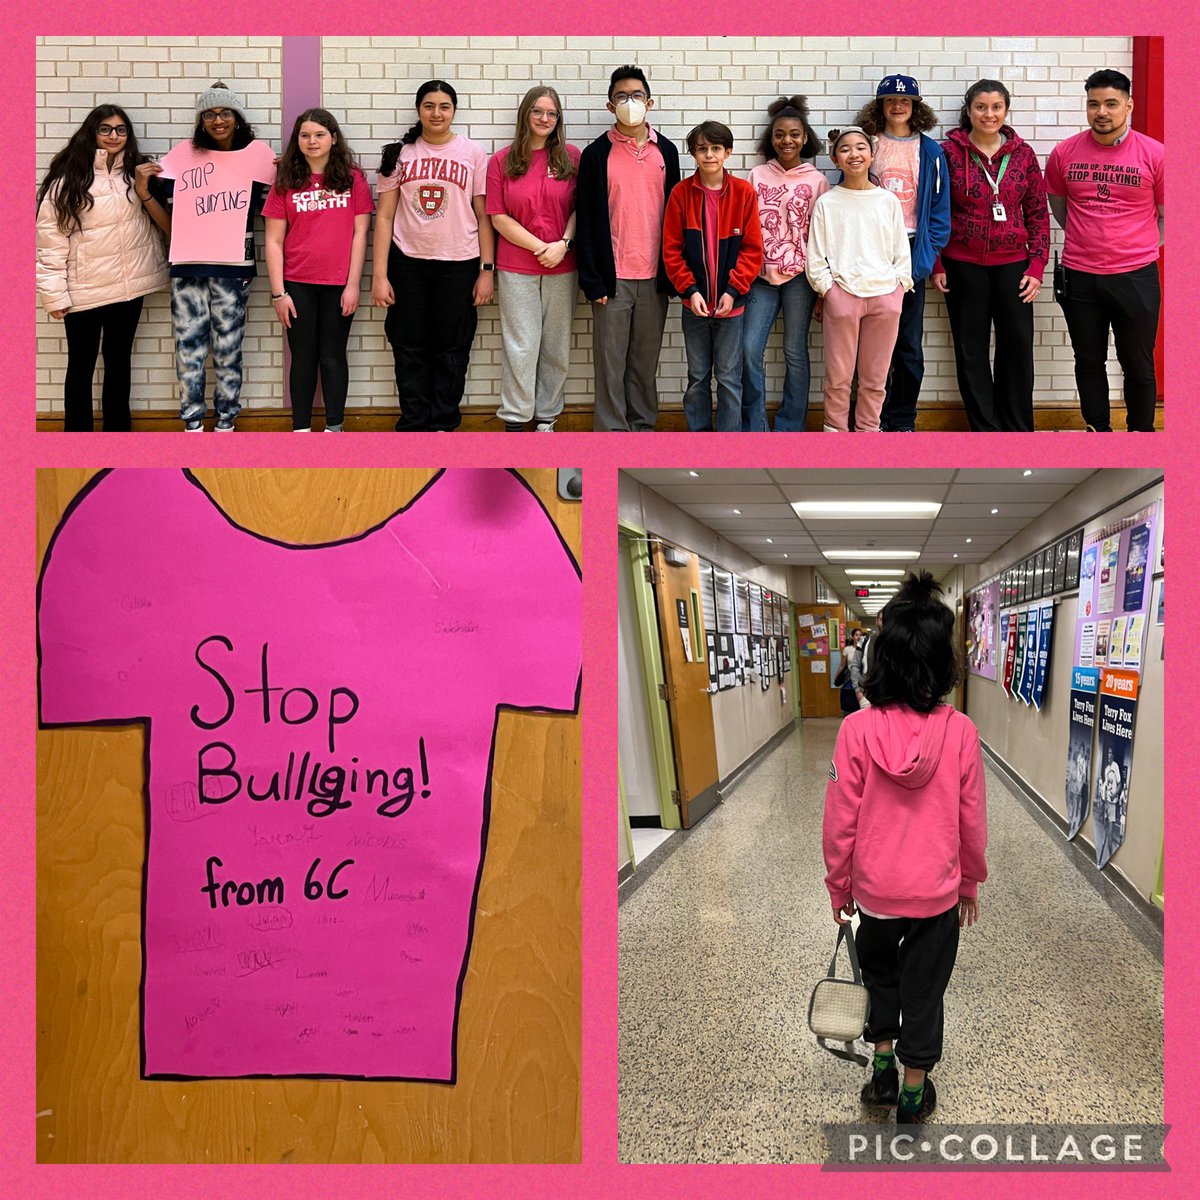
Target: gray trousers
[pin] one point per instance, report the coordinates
(536, 312)
(627, 335)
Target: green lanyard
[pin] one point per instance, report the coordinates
(995, 183)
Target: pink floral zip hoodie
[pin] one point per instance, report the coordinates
(905, 812)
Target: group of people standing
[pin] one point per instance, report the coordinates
(539, 219)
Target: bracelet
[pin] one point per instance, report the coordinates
(281, 296)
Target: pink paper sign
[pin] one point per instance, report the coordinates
(211, 202)
(320, 725)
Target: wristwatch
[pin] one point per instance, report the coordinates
(568, 242)
(487, 266)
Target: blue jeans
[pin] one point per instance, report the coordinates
(209, 312)
(796, 298)
(908, 365)
(714, 346)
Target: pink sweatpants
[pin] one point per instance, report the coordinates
(858, 330)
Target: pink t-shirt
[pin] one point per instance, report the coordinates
(538, 203)
(335, 703)
(320, 228)
(212, 198)
(785, 204)
(434, 217)
(1113, 194)
(895, 168)
(636, 179)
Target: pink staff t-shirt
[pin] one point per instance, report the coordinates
(212, 197)
(320, 724)
(320, 228)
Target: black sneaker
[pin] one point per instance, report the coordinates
(883, 1088)
(924, 1111)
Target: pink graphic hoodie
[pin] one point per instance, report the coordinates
(905, 812)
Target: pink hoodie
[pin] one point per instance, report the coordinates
(905, 812)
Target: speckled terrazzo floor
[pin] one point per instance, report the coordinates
(721, 945)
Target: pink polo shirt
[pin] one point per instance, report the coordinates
(635, 204)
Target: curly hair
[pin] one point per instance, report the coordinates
(795, 108)
(294, 172)
(873, 119)
(913, 657)
(68, 181)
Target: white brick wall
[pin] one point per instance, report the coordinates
(369, 84)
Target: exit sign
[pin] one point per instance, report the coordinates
(861, 593)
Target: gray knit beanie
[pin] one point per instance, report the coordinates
(220, 95)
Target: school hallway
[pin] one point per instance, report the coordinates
(1054, 1012)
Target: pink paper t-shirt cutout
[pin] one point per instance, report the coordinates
(213, 191)
(403, 643)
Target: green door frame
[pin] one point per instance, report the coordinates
(652, 670)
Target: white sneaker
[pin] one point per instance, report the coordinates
(545, 427)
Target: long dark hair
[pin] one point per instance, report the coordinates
(984, 85)
(912, 658)
(516, 161)
(294, 172)
(73, 168)
(391, 152)
(795, 107)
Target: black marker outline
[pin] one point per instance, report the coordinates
(147, 723)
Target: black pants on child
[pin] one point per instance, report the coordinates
(317, 340)
(906, 965)
(110, 327)
(431, 327)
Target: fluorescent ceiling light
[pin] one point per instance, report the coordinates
(880, 571)
(886, 585)
(850, 555)
(694, 474)
(849, 509)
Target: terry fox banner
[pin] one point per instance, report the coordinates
(1118, 711)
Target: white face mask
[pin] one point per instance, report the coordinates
(631, 112)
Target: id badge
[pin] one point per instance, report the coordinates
(998, 213)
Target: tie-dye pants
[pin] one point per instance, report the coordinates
(209, 313)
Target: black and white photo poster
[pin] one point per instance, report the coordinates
(1085, 682)
(1118, 712)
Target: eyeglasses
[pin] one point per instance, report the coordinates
(544, 115)
(641, 97)
(110, 130)
(217, 114)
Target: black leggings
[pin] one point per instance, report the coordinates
(111, 326)
(317, 340)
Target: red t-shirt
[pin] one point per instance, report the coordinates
(316, 247)
(537, 202)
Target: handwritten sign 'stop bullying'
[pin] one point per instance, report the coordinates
(320, 730)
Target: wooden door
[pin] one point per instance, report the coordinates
(517, 1096)
(685, 669)
(818, 698)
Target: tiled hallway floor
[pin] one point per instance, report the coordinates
(1054, 1012)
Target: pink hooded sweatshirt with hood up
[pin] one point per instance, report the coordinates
(905, 812)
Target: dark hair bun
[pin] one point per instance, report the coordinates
(798, 103)
(919, 589)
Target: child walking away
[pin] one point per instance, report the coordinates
(904, 838)
(712, 248)
(317, 217)
(859, 261)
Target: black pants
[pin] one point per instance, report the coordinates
(1129, 304)
(978, 299)
(431, 327)
(906, 965)
(317, 340)
(111, 327)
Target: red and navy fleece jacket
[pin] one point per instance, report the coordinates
(696, 261)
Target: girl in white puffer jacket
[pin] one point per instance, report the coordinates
(99, 253)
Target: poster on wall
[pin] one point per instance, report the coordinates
(1136, 557)
(1019, 653)
(1085, 682)
(1114, 756)
(1029, 663)
(1045, 630)
(1005, 673)
(983, 606)
(756, 611)
(742, 604)
(1010, 650)
(318, 780)
(1116, 643)
(710, 648)
(1087, 583)
(708, 601)
(726, 662)
(742, 648)
(1106, 573)
(723, 585)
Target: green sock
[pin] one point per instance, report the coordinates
(883, 1060)
(910, 1097)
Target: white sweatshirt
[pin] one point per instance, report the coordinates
(857, 240)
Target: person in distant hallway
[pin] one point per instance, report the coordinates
(860, 661)
(904, 837)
